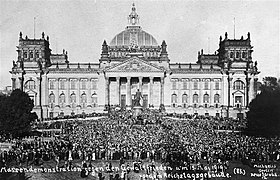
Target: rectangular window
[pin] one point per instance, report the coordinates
(94, 84)
(62, 84)
(185, 85)
(51, 84)
(195, 85)
(174, 85)
(73, 84)
(206, 85)
(217, 85)
(84, 84)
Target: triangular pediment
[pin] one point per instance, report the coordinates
(135, 64)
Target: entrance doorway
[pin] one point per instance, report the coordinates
(123, 100)
(145, 101)
(240, 116)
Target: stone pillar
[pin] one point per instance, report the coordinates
(67, 92)
(230, 86)
(79, 93)
(251, 89)
(89, 92)
(140, 84)
(56, 92)
(161, 92)
(45, 87)
(151, 91)
(129, 101)
(201, 95)
(224, 90)
(211, 94)
(190, 100)
(107, 95)
(118, 90)
(179, 100)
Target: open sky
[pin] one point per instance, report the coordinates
(187, 26)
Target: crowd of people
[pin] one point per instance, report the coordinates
(152, 137)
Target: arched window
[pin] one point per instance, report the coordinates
(73, 99)
(25, 54)
(231, 55)
(30, 85)
(195, 98)
(244, 54)
(174, 98)
(94, 99)
(62, 99)
(238, 85)
(216, 98)
(84, 97)
(205, 98)
(30, 54)
(237, 54)
(184, 98)
(51, 98)
(83, 100)
(37, 54)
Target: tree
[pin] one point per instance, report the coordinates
(264, 111)
(15, 114)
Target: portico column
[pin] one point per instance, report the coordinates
(161, 92)
(151, 91)
(67, 92)
(118, 90)
(140, 83)
(107, 93)
(211, 92)
(57, 92)
(128, 92)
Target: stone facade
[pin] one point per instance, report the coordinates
(222, 83)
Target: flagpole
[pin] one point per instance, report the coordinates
(34, 26)
(234, 27)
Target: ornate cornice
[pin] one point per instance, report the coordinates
(76, 70)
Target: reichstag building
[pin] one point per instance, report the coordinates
(219, 84)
